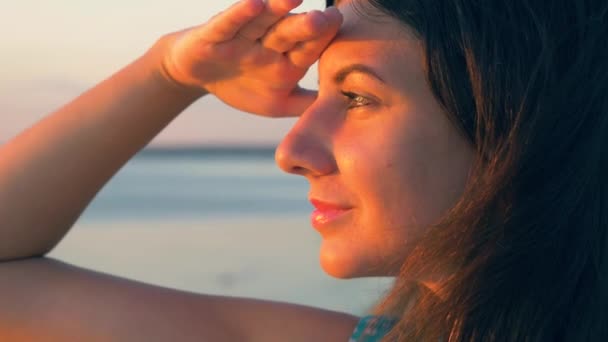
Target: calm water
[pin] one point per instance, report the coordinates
(223, 222)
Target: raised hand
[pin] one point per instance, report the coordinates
(252, 55)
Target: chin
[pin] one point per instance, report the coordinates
(337, 271)
(342, 262)
(337, 261)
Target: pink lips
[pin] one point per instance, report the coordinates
(326, 213)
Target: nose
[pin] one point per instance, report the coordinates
(307, 149)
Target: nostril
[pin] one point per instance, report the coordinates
(298, 170)
(285, 160)
(304, 152)
(287, 163)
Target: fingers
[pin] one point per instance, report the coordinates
(273, 12)
(304, 36)
(299, 101)
(227, 24)
(306, 53)
(294, 29)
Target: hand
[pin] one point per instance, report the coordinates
(253, 55)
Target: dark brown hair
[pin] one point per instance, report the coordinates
(527, 83)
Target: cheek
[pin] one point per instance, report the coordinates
(399, 174)
(388, 170)
(397, 171)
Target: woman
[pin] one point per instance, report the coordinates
(457, 145)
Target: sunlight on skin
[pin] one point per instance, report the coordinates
(375, 115)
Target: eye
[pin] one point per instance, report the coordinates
(355, 100)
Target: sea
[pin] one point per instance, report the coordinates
(213, 220)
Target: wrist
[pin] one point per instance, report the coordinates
(157, 59)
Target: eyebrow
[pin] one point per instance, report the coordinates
(343, 73)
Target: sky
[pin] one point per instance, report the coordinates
(54, 50)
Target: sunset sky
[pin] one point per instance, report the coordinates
(53, 50)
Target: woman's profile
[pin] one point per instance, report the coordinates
(458, 146)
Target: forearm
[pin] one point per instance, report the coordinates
(50, 172)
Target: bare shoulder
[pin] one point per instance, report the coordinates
(48, 300)
(274, 321)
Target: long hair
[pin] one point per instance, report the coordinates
(527, 243)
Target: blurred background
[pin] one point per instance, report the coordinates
(203, 208)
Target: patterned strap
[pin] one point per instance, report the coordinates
(372, 328)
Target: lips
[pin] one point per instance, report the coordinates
(322, 205)
(327, 213)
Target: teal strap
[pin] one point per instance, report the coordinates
(372, 328)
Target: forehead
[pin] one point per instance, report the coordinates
(363, 21)
(374, 39)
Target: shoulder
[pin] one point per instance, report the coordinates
(93, 304)
(276, 321)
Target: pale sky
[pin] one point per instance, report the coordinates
(52, 50)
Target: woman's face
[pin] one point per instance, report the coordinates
(382, 159)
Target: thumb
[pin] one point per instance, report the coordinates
(299, 101)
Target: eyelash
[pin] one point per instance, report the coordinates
(355, 100)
